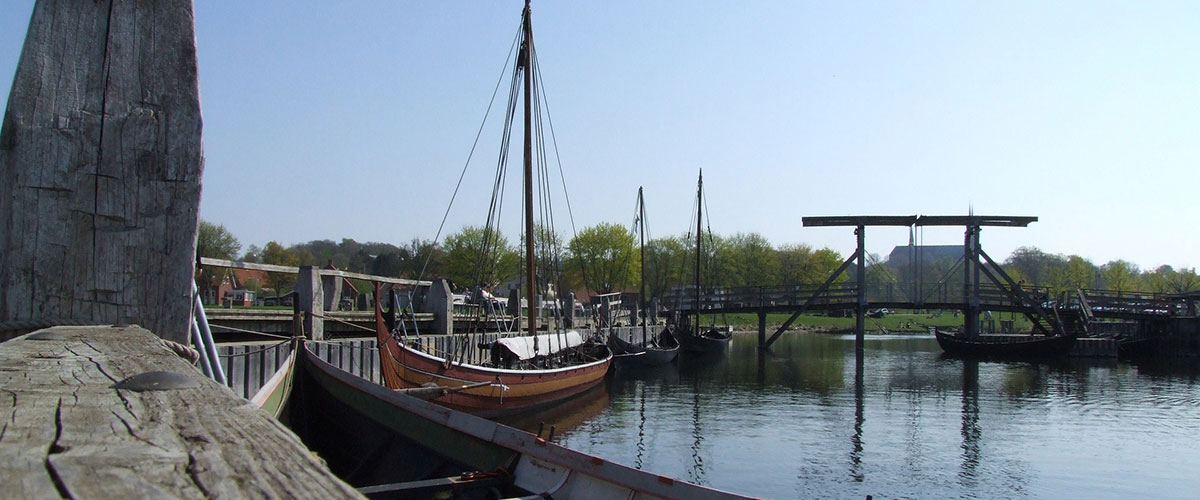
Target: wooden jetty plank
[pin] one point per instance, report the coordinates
(68, 432)
(100, 165)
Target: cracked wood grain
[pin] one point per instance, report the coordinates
(100, 166)
(69, 433)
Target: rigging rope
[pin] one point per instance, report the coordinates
(470, 155)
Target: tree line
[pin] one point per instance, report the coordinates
(607, 258)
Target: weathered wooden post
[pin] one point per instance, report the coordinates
(331, 287)
(514, 302)
(100, 165)
(441, 303)
(310, 298)
(569, 315)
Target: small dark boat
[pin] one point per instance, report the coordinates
(392, 445)
(658, 351)
(1005, 346)
(1135, 347)
(710, 339)
(662, 348)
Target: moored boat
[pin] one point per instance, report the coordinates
(391, 445)
(712, 339)
(511, 390)
(661, 350)
(526, 371)
(697, 338)
(1007, 346)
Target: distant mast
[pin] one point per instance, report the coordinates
(699, 215)
(642, 264)
(530, 273)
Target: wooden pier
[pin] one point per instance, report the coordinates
(81, 419)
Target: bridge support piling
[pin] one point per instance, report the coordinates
(971, 286)
(762, 329)
(860, 308)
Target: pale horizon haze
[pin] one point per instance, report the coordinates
(328, 120)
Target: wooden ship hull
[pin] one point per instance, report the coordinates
(507, 391)
(1008, 346)
(1138, 347)
(664, 350)
(392, 445)
(710, 340)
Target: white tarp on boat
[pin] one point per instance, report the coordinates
(546, 344)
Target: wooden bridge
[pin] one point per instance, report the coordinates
(1049, 313)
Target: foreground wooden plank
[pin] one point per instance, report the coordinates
(67, 432)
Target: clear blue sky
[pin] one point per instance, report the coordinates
(330, 119)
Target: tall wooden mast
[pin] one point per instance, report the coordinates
(530, 271)
(699, 216)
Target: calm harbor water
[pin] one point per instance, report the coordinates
(802, 422)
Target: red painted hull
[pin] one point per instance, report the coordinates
(512, 391)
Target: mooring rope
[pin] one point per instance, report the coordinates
(347, 323)
(252, 332)
(256, 351)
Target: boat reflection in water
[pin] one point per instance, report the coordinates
(564, 416)
(970, 423)
(808, 419)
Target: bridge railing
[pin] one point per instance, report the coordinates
(843, 296)
(741, 298)
(1110, 303)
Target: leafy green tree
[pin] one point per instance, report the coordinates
(387, 264)
(719, 262)
(1019, 278)
(1158, 280)
(1185, 280)
(214, 241)
(304, 256)
(476, 255)
(607, 257)
(825, 262)
(1077, 273)
(1033, 264)
(754, 261)
(253, 254)
(666, 261)
(793, 262)
(274, 253)
(1120, 276)
(426, 259)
